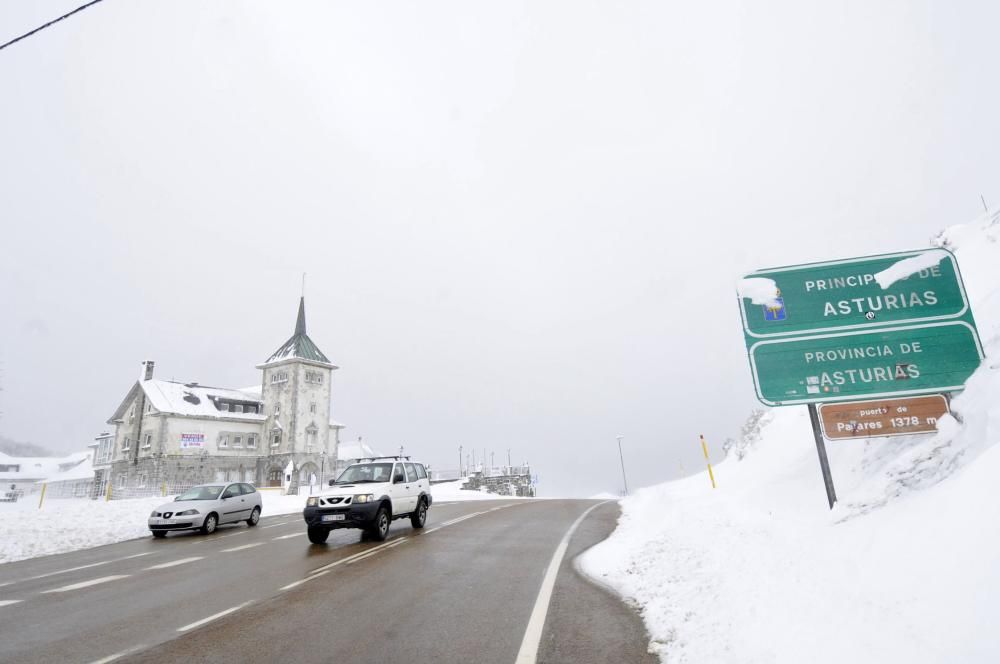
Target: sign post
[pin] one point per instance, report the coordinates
(875, 327)
(824, 462)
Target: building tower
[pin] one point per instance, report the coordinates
(296, 396)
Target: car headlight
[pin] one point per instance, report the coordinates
(187, 513)
(364, 498)
(155, 513)
(312, 502)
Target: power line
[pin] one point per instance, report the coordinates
(50, 23)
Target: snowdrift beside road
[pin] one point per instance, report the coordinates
(905, 569)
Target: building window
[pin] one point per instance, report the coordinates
(122, 477)
(140, 481)
(131, 414)
(237, 441)
(224, 441)
(314, 377)
(312, 408)
(319, 378)
(279, 377)
(147, 441)
(251, 442)
(239, 408)
(310, 439)
(252, 409)
(276, 440)
(277, 409)
(126, 444)
(149, 408)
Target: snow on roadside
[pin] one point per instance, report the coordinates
(903, 570)
(453, 491)
(71, 524)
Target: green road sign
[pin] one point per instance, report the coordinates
(897, 361)
(845, 295)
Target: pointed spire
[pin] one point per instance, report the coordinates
(300, 323)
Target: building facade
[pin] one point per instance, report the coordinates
(170, 435)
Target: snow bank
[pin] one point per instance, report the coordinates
(903, 570)
(67, 525)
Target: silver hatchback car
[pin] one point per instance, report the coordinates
(207, 506)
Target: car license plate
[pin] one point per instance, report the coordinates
(333, 517)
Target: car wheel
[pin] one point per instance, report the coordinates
(254, 517)
(211, 521)
(380, 526)
(159, 534)
(419, 518)
(318, 535)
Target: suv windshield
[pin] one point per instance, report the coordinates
(366, 472)
(201, 493)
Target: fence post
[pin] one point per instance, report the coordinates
(704, 448)
(42, 499)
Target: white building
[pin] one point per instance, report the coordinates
(180, 434)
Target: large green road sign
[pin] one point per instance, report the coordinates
(871, 327)
(845, 295)
(907, 360)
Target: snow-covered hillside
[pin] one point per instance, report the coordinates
(906, 568)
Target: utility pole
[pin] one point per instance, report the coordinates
(508, 457)
(622, 459)
(460, 461)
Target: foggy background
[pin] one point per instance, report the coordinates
(522, 222)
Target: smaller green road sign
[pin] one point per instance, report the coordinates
(896, 361)
(843, 295)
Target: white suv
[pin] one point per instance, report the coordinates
(369, 495)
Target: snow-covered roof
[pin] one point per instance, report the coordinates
(39, 468)
(82, 469)
(355, 449)
(190, 399)
(196, 400)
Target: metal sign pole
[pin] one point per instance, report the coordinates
(824, 463)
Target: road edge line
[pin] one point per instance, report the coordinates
(528, 654)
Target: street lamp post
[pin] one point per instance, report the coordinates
(622, 459)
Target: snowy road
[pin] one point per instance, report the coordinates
(470, 587)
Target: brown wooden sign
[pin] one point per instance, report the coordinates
(884, 417)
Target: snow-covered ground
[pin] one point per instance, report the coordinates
(67, 525)
(906, 568)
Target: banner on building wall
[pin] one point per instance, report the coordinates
(192, 440)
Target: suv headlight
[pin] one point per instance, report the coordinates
(187, 513)
(363, 498)
(312, 501)
(155, 513)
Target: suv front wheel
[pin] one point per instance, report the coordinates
(380, 526)
(419, 517)
(318, 535)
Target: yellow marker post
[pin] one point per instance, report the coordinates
(42, 499)
(704, 448)
(107, 495)
(164, 490)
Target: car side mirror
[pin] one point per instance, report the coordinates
(332, 482)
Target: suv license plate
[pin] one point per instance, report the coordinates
(333, 517)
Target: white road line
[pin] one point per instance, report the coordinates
(301, 581)
(288, 536)
(174, 563)
(528, 653)
(118, 655)
(87, 584)
(369, 554)
(283, 523)
(75, 569)
(8, 602)
(214, 617)
(240, 548)
(242, 532)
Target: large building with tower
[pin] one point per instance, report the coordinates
(178, 434)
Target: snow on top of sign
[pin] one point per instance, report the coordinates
(760, 290)
(909, 266)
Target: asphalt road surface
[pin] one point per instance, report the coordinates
(475, 585)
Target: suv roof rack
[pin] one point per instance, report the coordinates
(376, 458)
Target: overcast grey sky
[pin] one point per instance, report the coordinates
(522, 221)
